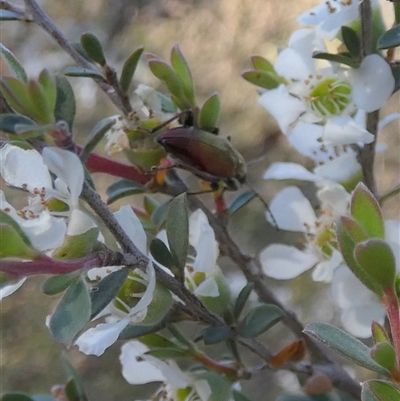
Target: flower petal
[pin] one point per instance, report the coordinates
(287, 171)
(134, 371)
(340, 169)
(133, 227)
(23, 168)
(9, 289)
(292, 210)
(373, 83)
(324, 270)
(284, 262)
(282, 106)
(68, 167)
(97, 339)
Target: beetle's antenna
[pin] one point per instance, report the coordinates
(265, 204)
(175, 117)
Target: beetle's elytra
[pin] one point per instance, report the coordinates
(208, 156)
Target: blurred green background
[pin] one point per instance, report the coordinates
(217, 37)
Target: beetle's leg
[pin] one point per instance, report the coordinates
(175, 117)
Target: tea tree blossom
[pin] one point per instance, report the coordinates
(139, 368)
(293, 212)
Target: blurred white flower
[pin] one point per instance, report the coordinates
(139, 368)
(293, 212)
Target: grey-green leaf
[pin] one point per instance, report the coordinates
(129, 69)
(214, 335)
(93, 48)
(379, 390)
(178, 230)
(12, 62)
(161, 253)
(391, 38)
(56, 284)
(75, 378)
(72, 313)
(240, 201)
(82, 72)
(123, 188)
(8, 122)
(105, 290)
(95, 136)
(16, 396)
(342, 58)
(65, 102)
(352, 41)
(345, 344)
(259, 320)
(242, 299)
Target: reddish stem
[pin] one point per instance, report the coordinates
(392, 307)
(230, 371)
(100, 164)
(42, 264)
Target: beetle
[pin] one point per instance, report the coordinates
(208, 156)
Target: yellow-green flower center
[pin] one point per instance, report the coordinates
(329, 97)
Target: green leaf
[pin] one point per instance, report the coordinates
(48, 84)
(93, 48)
(7, 15)
(351, 41)
(209, 113)
(12, 244)
(71, 372)
(16, 94)
(9, 121)
(348, 231)
(95, 136)
(385, 355)
(56, 284)
(264, 79)
(7, 219)
(241, 200)
(181, 66)
(131, 332)
(154, 340)
(150, 204)
(102, 293)
(122, 188)
(72, 313)
(40, 107)
(379, 333)
(376, 258)
(342, 58)
(65, 107)
(366, 211)
(171, 78)
(167, 353)
(161, 253)
(178, 230)
(345, 344)
(262, 64)
(16, 396)
(259, 320)
(15, 67)
(379, 390)
(160, 215)
(242, 298)
(391, 38)
(129, 69)
(215, 335)
(83, 72)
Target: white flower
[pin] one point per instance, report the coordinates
(293, 212)
(329, 16)
(317, 95)
(97, 339)
(359, 306)
(139, 368)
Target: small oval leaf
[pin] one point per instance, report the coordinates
(242, 298)
(56, 284)
(65, 107)
(391, 38)
(15, 67)
(178, 230)
(345, 344)
(161, 253)
(93, 48)
(240, 201)
(122, 188)
(72, 313)
(259, 320)
(129, 69)
(209, 113)
(82, 72)
(264, 79)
